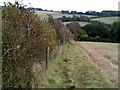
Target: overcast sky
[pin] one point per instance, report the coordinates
(75, 5)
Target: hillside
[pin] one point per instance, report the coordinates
(108, 20)
(43, 14)
(71, 68)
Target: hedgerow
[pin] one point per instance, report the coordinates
(25, 38)
(63, 34)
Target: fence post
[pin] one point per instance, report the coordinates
(58, 44)
(47, 57)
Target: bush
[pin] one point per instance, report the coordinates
(62, 32)
(75, 29)
(24, 41)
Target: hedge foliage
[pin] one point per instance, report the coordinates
(24, 41)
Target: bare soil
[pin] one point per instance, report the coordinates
(103, 61)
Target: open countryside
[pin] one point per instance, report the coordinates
(58, 49)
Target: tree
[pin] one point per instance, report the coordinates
(75, 29)
(62, 32)
(98, 30)
(115, 32)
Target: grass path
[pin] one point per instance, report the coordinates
(105, 58)
(71, 68)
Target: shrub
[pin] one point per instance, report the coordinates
(62, 32)
(24, 40)
(75, 29)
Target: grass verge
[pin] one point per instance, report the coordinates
(71, 68)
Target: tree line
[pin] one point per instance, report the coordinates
(95, 32)
(75, 18)
(105, 13)
(81, 19)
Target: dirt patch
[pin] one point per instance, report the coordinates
(103, 61)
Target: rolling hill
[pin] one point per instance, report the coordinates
(43, 14)
(108, 20)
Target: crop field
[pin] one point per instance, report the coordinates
(81, 23)
(108, 20)
(43, 14)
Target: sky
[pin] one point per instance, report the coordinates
(71, 5)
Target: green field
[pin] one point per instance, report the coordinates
(108, 20)
(108, 46)
(105, 58)
(111, 48)
(81, 23)
(71, 68)
(43, 14)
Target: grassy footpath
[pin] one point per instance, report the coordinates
(110, 50)
(71, 68)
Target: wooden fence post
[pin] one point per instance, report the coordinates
(47, 57)
(58, 44)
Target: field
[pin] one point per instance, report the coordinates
(81, 23)
(105, 58)
(108, 20)
(43, 14)
(71, 68)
